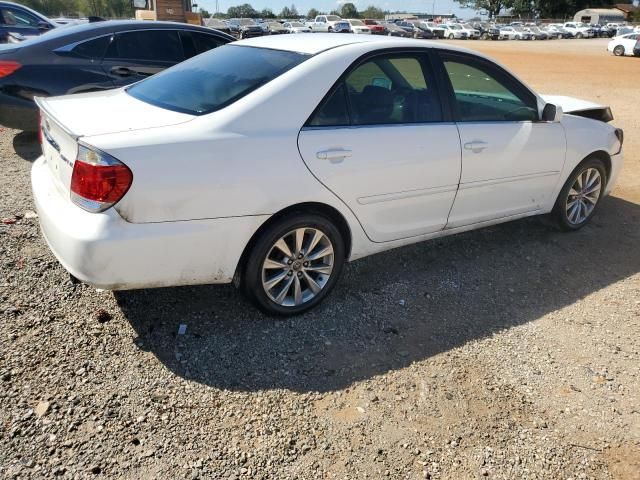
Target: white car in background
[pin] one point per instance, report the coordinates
(454, 32)
(579, 30)
(324, 23)
(623, 45)
(188, 178)
(297, 27)
(472, 33)
(358, 26)
(515, 33)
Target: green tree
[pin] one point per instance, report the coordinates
(313, 13)
(349, 10)
(334, 12)
(204, 13)
(242, 11)
(267, 13)
(493, 7)
(286, 13)
(372, 12)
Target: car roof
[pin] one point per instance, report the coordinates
(320, 42)
(88, 30)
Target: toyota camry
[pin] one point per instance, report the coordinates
(189, 176)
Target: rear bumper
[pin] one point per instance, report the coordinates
(18, 113)
(108, 252)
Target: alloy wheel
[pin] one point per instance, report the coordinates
(583, 196)
(298, 266)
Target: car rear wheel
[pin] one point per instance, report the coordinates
(618, 51)
(579, 35)
(294, 264)
(580, 196)
(451, 36)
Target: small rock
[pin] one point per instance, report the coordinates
(29, 214)
(41, 409)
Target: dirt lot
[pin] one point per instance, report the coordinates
(507, 353)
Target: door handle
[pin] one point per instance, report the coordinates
(334, 154)
(476, 146)
(121, 71)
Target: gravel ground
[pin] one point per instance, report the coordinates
(508, 353)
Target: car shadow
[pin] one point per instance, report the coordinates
(391, 309)
(26, 145)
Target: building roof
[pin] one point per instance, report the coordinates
(600, 11)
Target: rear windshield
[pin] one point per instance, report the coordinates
(215, 79)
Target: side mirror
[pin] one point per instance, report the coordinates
(44, 26)
(552, 113)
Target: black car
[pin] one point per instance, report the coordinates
(487, 31)
(92, 57)
(417, 30)
(21, 22)
(245, 28)
(394, 30)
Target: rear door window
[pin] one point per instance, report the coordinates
(92, 49)
(147, 45)
(388, 89)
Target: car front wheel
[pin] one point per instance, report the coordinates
(294, 264)
(618, 51)
(580, 195)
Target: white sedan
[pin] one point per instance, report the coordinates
(623, 45)
(297, 27)
(273, 176)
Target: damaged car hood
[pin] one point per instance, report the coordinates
(581, 108)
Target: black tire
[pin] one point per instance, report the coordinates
(619, 51)
(251, 282)
(579, 35)
(452, 36)
(485, 36)
(559, 213)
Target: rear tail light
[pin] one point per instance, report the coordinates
(98, 181)
(7, 67)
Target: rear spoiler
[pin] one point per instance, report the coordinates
(41, 103)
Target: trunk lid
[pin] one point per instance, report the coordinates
(110, 111)
(64, 120)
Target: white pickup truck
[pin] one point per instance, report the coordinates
(579, 30)
(323, 23)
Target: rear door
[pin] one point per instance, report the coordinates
(137, 54)
(380, 142)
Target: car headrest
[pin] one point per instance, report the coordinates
(375, 104)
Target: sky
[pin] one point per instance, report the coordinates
(426, 6)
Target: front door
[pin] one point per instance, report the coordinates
(378, 141)
(511, 161)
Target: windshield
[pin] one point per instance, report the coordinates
(333, 18)
(247, 21)
(215, 79)
(456, 27)
(274, 24)
(356, 22)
